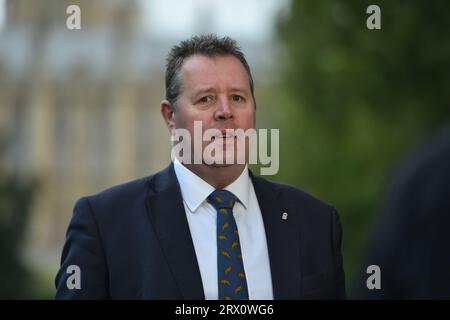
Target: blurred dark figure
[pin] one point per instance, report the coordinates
(411, 244)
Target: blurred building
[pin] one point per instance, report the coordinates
(79, 109)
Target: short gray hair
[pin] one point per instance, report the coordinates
(206, 45)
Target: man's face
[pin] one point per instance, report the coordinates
(215, 91)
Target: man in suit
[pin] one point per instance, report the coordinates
(204, 230)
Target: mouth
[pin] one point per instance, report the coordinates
(225, 137)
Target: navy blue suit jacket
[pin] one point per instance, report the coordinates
(133, 242)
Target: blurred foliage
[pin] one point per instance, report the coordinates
(354, 100)
(16, 281)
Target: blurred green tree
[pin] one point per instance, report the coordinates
(353, 100)
(16, 281)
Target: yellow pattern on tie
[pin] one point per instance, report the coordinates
(232, 282)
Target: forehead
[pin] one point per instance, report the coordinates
(216, 71)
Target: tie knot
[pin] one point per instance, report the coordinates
(222, 199)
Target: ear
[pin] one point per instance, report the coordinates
(168, 113)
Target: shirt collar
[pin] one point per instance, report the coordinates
(195, 190)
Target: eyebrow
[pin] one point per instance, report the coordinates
(208, 89)
(205, 89)
(239, 90)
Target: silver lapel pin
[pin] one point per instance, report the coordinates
(284, 216)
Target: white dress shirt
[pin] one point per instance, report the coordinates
(201, 217)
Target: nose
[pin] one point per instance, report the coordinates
(223, 111)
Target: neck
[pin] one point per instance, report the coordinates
(218, 177)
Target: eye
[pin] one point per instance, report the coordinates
(205, 99)
(237, 98)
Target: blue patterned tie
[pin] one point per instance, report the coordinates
(230, 268)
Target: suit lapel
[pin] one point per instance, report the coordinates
(168, 217)
(283, 240)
